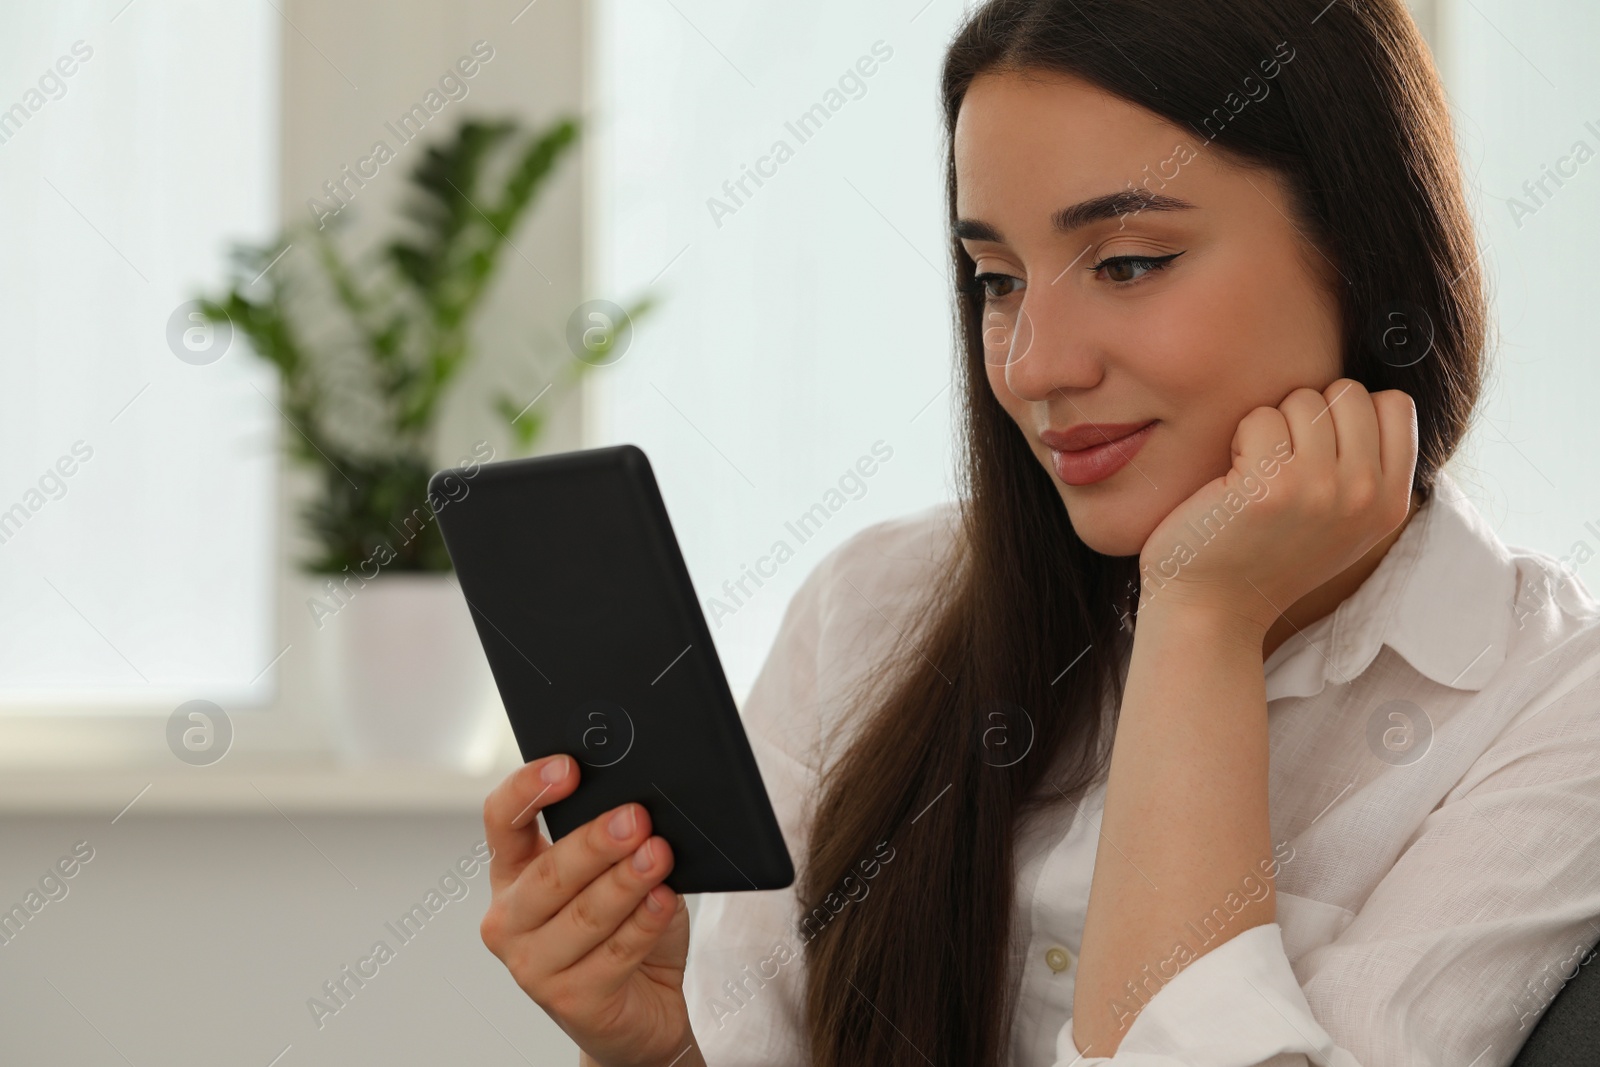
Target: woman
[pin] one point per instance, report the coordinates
(1211, 726)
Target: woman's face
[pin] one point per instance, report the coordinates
(1218, 311)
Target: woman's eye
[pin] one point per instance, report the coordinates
(996, 286)
(1125, 269)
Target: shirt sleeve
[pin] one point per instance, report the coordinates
(1238, 1005)
(1453, 957)
(743, 979)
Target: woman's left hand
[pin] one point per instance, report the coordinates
(1315, 483)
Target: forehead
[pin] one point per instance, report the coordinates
(1048, 135)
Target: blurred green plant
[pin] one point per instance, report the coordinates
(362, 392)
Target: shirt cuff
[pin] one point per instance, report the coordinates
(1238, 1005)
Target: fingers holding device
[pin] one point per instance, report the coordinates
(584, 924)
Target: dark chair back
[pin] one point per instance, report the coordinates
(1568, 1033)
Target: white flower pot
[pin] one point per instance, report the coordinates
(409, 678)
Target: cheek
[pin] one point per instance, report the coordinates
(1187, 346)
(996, 373)
(1223, 347)
(1263, 324)
(1015, 408)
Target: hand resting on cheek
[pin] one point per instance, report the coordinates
(1315, 482)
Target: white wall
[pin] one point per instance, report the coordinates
(193, 942)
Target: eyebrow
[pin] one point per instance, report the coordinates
(1097, 209)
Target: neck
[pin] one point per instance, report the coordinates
(1330, 594)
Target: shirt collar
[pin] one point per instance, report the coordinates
(1441, 597)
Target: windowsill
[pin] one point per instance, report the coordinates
(241, 788)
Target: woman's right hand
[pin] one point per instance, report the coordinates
(595, 939)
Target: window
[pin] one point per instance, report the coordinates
(773, 173)
(1524, 89)
(137, 454)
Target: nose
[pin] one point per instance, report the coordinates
(1050, 346)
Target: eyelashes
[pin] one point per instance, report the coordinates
(979, 287)
(1150, 263)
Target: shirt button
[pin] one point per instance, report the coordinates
(1058, 958)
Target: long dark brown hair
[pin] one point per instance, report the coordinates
(919, 969)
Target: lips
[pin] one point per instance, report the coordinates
(1094, 452)
(1089, 434)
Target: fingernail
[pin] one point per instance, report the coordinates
(651, 902)
(555, 770)
(642, 858)
(622, 823)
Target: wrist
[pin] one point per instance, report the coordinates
(689, 1056)
(1203, 617)
(686, 1057)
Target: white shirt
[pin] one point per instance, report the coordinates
(1435, 809)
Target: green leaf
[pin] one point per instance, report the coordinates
(412, 304)
(525, 422)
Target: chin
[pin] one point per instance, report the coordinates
(1107, 528)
